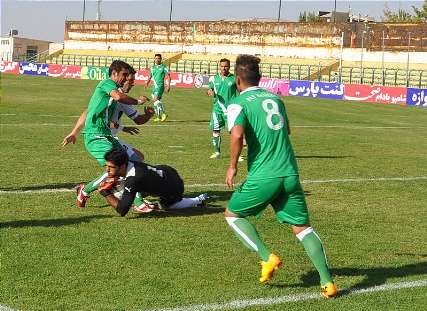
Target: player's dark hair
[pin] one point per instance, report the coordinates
(132, 70)
(222, 60)
(159, 55)
(247, 68)
(116, 156)
(117, 65)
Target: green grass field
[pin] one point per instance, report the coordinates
(364, 171)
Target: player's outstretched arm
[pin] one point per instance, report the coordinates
(127, 100)
(72, 136)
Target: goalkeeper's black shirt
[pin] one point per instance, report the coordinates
(156, 180)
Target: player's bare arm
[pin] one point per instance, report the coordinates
(72, 136)
(126, 129)
(127, 100)
(147, 84)
(168, 82)
(211, 92)
(130, 130)
(143, 118)
(236, 145)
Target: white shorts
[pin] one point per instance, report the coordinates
(127, 147)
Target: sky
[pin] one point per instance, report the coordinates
(44, 20)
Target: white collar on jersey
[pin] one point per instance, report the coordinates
(251, 88)
(130, 169)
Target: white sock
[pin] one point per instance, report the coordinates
(185, 203)
(158, 104)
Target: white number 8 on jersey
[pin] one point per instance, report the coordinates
(271, 108)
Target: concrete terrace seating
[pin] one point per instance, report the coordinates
(209, 63)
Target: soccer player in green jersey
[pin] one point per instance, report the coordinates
(98, 139)
(272, 173)
(223, 89)
(158, 74)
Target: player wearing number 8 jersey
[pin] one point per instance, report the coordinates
(272, 178)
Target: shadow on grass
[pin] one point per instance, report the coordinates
(59, 222)
(187, 212)
(188, 121)
(322, 157)
(41, 187)
(371, 276)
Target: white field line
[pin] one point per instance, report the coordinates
(239, 304)
(213, 185)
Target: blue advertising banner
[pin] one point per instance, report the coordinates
(26, 68)
(332, 90)
(416, 97)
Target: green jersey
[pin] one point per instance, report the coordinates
(158, 74)
(263, 117)
(97, 119)
(225, 90)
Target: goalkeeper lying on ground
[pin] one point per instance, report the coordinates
(155, 180)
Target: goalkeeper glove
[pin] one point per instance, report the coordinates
(106, 187)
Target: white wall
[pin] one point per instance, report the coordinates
(6, 48)
(293, 52)
(54, 47)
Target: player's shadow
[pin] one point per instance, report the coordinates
(188, 121)
(58, 222)
(212, 207)
(41, 187)
(321, 157)
(186, 212)
(371, 276)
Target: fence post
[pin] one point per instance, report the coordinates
(407, 61)
(361, 58)
(341, 52)
(382, 61)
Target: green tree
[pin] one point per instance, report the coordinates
(421, 13)
(308, 17)
(302, 16)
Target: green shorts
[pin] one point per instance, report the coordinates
(157, 92)
(285, 194)
(218, 119)
(99, 145)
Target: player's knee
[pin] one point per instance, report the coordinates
(228, 213)
(296, 229)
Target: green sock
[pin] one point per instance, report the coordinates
(138, 199)
(314, 249)
(247, 233)
(216, 142)
(94, 184)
